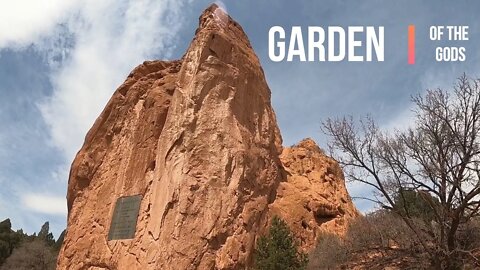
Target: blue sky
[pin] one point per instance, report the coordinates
(60, 61)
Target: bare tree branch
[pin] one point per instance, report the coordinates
(438, 158)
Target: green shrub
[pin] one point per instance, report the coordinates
(416, 204)
(277, 250)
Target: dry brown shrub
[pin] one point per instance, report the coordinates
(380, 233)
(329, 253)
(33, 255)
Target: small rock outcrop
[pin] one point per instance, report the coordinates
(313, 198)
(198, 140)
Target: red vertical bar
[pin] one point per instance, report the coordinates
(411, 44)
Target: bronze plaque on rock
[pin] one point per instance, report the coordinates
(124, 219)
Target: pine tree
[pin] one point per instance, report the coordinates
(8, 240)
(414, 203)
(278, 250)
(21, 251)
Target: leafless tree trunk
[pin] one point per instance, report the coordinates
(438, 156)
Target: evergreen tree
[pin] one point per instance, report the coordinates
(415, 203)
(278, 250)
(5, 230)
(4, 251)
(20, 244)
(9, 240)
(5, 226)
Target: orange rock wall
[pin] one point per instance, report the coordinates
(198, 139)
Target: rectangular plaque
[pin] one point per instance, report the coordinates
(124, 219)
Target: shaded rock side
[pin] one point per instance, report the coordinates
(198, 139)
(313, 198)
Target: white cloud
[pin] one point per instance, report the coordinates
(358, 191)
(110, 39)
(401, 121)
(45, 204)
(24, 21)
(60, 173)
(443, 78)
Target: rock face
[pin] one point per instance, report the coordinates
(198, 140)
(313, 198)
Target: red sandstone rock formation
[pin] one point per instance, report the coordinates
(314, 197)
(198, 140)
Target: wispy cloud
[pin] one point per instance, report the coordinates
(111, 38)
(45, 204)
(25, 21)
(89, 48)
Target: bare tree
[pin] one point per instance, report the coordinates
(438, 157)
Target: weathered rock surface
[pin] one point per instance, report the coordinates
(314, 197)
(198, 139)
